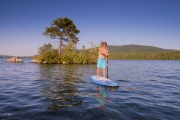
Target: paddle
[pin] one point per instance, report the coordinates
(107, 72)
(107, 67)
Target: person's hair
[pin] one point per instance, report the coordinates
(104, 43)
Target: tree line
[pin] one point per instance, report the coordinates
(145, 56)
(71, 55)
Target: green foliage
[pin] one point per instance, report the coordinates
(69, 47)
(64, 29)
(49, 56)
(46, 53)
(146, 56)
(45, 48)
(70, 55)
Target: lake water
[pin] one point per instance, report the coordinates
(149, 90)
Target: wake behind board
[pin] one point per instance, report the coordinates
(101, 81)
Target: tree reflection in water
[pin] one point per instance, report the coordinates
(58, 86)
(102, 96)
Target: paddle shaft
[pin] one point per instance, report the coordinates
(107, 71)
(107, 67)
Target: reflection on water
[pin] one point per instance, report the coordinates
(59, 87)
(102, 96)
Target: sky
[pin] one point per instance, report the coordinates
(118, 22)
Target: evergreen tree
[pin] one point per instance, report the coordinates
(64, 29)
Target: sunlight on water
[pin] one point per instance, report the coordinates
(148, 90)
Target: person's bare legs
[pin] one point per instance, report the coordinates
(98, 71)
(104, 73)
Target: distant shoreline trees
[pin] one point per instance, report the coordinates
(174, 55)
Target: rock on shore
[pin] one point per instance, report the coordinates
(14, 59)
(35, 61)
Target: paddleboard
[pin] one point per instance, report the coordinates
(101, 81)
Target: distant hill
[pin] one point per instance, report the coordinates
(9, 56)
(136, 48)
(5, 56)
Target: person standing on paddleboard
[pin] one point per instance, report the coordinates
(102, 61)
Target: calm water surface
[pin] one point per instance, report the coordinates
(149, 90)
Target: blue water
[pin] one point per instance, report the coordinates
(149, 90)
